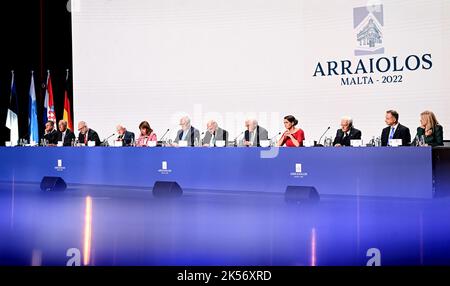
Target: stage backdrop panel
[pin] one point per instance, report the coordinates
(155, 60)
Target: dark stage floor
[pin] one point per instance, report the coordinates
(96, 225)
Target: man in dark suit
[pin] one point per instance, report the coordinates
(187, 133)
(395, 130)
(87, 134)
(65, 134)
(50, 134)
(346, 133)
(124, 135)
(214, 133)
(254, 133)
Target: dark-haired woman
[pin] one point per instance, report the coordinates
(146, 134)
(292, 137)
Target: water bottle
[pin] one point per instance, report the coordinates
(422, 140)
(196, 142)
(72, 143)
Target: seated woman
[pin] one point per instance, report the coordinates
(430, 129)
(146, 134)
(292, 137)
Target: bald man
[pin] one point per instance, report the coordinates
(86, 134)
(254, 133)
(187, 133)
(214, 133)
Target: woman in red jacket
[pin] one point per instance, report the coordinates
(292, 137)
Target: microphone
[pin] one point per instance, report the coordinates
(168, 129)
(237, 137)
(323, 135)
(105, 141)
(279, 133)
(110, 136)
(202, 139)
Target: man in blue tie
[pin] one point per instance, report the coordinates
(395, 130)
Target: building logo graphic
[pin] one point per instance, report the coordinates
(164, 168)
(59, 167)
(298, 171)
(368, 23)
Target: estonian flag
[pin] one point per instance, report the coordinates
(12, 120)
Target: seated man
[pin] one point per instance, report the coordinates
(65, 134)
(254, 133)
(50, 134)
(214, 133)
(346, 133)
(187, 133)
(394, 130)
(124, 135)
(87, 134)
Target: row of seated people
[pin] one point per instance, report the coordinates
(430, 130)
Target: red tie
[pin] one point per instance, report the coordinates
(85, 139)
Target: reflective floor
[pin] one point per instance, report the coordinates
(90, 225)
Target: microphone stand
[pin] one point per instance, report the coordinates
(318, 144)
(105, 141)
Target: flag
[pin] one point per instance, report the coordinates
(67, 115)
(32, 114)
(12, 120)
(49, 106)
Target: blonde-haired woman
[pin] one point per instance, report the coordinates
(430, 129)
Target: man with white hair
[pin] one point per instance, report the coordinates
(187, 133)
(214, 133)
(124, 135)
(87, 134)
(346, 133)
(254, 133)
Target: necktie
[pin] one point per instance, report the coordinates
(85, 138)
(391, 135)
(213, 139)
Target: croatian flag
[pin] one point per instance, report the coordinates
(49, 106)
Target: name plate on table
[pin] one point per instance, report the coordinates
(395, 142)
(182, 143)
(308, 143)
(151, 143)
(118, 143)
(220, 143)
(91, 143)
(356, 143)
(264, 143)
(8, 143)
(60, 144)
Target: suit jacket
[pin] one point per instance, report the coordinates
(68, 138)
(402, 132)
(127, 137)
(191, 136)
(91, 136)
(52, 137)
(353, 134)
(436, 139)
(261, 134)
(220, 133)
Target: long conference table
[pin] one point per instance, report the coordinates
(405, 172)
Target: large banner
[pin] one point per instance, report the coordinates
(230, 60)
